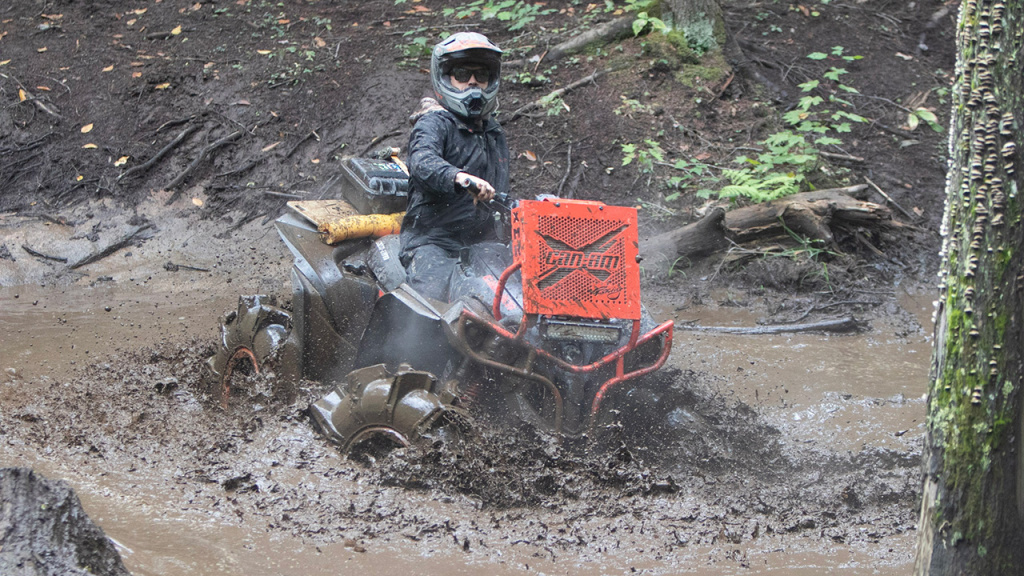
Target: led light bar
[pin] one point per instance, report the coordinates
(581, 331)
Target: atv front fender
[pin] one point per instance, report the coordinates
(374, 403)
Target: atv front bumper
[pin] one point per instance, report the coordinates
(525, 369)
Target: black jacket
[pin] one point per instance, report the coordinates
(442, 145)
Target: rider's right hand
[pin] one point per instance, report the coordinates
(480, 189)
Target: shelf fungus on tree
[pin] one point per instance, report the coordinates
(1006, 124)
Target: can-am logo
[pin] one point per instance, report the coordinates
(574, 259)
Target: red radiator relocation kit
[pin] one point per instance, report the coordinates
(578, 258)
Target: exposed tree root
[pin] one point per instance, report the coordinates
(195, 163)
(163, 152)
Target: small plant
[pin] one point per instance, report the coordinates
(813, 115)
(417, 47)
(690, 172)
(700, 35)
(643, 21)
(553, 104)
(537, 78)
(782, 168)
(629, 106)
(645, 156)
(914, 118)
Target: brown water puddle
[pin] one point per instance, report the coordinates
(844, 391)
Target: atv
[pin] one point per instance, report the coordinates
(541, 328)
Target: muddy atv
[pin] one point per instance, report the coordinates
(541, 329)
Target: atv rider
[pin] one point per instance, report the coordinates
(458, 157)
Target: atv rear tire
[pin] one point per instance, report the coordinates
(373, 405)
(253, 339)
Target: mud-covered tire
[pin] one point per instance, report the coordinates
(372, 405)
(638, 412)
(253, 339)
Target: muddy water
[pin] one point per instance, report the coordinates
(844, 392)
(848, 391)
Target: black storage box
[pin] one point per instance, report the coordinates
(374, 186)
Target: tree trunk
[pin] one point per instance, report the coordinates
(697, 18)
(972, 513)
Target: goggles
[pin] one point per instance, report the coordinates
(464, 73)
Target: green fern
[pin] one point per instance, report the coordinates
(760, 187)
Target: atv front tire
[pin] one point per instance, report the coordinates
(253, 339)
(400, 409)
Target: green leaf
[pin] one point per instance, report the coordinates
(640, 23)
(926, 115)
(817, 55)
(806, 102)
(851, 89)
(809, 85)
(833, 73)
(851, 116)
(912, 121)
(828, 141)
(793, 116)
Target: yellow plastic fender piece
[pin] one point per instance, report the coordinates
(361, 226)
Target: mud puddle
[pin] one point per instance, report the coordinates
(843, 391)
(794, 454)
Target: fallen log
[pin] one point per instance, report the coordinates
(539, 103)
(600, 34)
(810, 214)
(845, 324)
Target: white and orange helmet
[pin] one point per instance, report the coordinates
(466, 48)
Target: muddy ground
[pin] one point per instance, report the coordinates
(786, 454)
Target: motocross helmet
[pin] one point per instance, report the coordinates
(466, 48)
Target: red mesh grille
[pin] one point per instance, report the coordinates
(578, 258)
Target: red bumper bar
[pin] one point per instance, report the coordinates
(617, 356)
